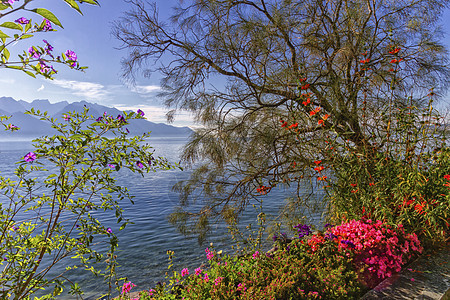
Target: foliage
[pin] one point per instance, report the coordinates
(406, 182)
(49, 212)
(37, 59)
(335, 264)
(293, 81)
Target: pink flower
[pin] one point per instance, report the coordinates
(127, 286)
(218, 280)
(184, 272)
(198, 271)
(209, 254)
(206, 277)
(256, 254)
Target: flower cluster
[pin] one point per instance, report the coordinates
(379, 248)
(303, 230)
(127, 286)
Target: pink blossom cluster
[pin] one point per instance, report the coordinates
(378, 247)
(127, 286)
(209, 254)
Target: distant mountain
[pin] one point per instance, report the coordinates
(31, 127)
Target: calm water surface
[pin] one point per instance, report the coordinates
(143, 245)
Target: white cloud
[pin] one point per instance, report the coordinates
(7, 80)
(157, 114)
(41, 88)
(145, 90)
(88, 90)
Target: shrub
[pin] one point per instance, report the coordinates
(340, 263)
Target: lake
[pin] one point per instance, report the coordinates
(143, 245)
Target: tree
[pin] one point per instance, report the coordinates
(276, 85)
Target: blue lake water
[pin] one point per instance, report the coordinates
(143, 245)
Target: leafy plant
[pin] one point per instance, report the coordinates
(48, 212)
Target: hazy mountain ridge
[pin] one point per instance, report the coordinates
(33, 127)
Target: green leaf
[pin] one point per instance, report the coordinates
(3, 6)
(48, 15)
(6, 53)
(90, 2)
(3, 35)
(11, 25)
(74, 5)
(28, 26)
(31, 74)
(26, 36)
(15, 67)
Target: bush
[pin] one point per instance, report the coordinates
(342, 262)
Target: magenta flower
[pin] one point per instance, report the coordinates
(34, 53)
(47, 25)
(198, 271)
(140, 112)
(71, 56)
(209, 254)
(12, 1)
(48, 48)
(184, 272)
(206, 277)
(139, 164)
(22, 20)
(256, 254)
(46, 68)
(11, 127)
(121, 119)
(218, 280)
(66, 117)
(111, 166)
(109, 230)
(29, 157)
(127, 286)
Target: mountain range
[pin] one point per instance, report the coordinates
(32, 127)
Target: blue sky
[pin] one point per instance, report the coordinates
(90, 37)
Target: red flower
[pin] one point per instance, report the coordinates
(371, 183)
(322, 178)
(325, 116)
(364, 61)
(353, 184)
(317, 162)
(302, 79)
(312, 113)
(447, 177)
(306, 86)
(263, 190)
(419, 207)
(319, 169)
(308, 101)
(395, 51)
(293, 126)
(396, 61)
(320, 122)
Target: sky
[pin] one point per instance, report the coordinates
(89, 35)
